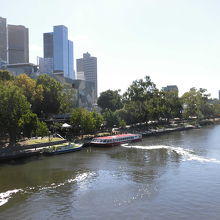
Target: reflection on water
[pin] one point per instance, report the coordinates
(163, 177)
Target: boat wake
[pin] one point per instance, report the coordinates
(185, 153)
(79, 178)
(5, 196)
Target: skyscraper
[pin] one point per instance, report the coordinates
(60, 50)
(88, 65)
(48, 45)
(3, 39)
(18, 44)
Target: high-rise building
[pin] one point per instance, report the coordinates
(18, 44)
(88, 65)
(170, 88)
(48, 45)
(3, 39)
(60, 50)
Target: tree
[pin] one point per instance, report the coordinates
(42, 129)
(111, 119)
(140, 90)
(5, 75)
(67, 100)
(51, 95)
(82, 121)
(98, 120)
(110, 100)
(195, 103)
(28, 124)
(138, 100)
(32, 91)
(13, 105)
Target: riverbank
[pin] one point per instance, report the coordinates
(22, 151)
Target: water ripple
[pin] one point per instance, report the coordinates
(185, 153)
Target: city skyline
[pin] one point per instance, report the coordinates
(58, 53)
(14, 42)
(175, 43)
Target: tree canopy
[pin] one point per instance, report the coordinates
(110, 100)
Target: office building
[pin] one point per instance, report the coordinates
(18, 44)
(170, 88)
(88, 65)
(48, 45)
(3, 39)
(58, 48)
(85, 92)
(80, 76)
(28, 68)
(45, 65)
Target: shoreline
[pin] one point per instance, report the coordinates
(26, 151)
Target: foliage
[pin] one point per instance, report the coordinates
(195, 104)
(5, 75)
(140, 90)
(51, 95)
(83, 121)
(111, 119)
(13, 105)
(28, 124)
(110, 100)
(98, 120)
(32, 91)
(67, 100)
(42, 129)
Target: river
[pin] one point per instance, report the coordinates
(172, 176)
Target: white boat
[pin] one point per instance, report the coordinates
(115, 139)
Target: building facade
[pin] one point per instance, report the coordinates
(28, 68)
(59, 50)
(170, 88)
(3, 39)
(48, 45)
(85, 94)
(88, 65)
(18, 44)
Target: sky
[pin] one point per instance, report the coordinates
(175, 42)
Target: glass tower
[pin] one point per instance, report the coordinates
(60, 49)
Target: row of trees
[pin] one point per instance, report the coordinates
(143, 102)
(24, 101)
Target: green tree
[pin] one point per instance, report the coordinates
(5, 75)
(42, 129)
(32, 91)
(98, 120)
(83, 121)
(195, 104)
(28, 124)
(67, 100)
(51, 95)
(111, 119)
(138, 100)
(13, 105)
(110, 100)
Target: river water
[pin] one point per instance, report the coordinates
(172, 176)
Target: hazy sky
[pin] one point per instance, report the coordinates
(172, 41)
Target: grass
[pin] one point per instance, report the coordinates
(43, 140)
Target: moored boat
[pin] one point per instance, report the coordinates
(115, 139)
(62, 148)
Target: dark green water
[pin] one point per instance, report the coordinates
(174, 176)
